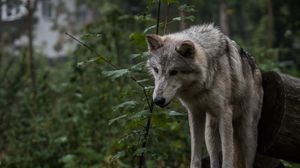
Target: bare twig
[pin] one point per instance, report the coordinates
(93, 51)
(158, 17)
(99, 57)
(148, 125)
(31, 61)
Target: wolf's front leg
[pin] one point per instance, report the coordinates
(197, 124)
(248, 132)
(212, 140)
(226, 133)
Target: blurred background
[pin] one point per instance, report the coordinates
(62, 103)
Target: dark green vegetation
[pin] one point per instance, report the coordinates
(85, 113)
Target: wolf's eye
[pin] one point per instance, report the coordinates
(155, 70)
(173, 72)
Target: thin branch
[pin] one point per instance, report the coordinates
(158, 16)
(92, 50)
(99, 57)
(31, 61)
(148, 125)
(166, 18)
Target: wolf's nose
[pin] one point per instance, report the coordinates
(160, 101)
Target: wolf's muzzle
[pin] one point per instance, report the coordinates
(160, 101)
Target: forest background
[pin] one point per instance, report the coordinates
(93, 108)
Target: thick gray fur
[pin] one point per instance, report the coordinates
(220, 86)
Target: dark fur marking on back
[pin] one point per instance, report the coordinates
(227, 49)
(227, 52)
(247, 62)
(233, 73)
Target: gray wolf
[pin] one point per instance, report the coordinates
(218, 83)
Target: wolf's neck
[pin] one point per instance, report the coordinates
(193, 99)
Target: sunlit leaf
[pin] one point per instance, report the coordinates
(141, 114)
(175, 113)
(143, 80)
(62, 139)
(127, 104)
(137, 39)
(117, 118)
(177, 19)
(190, 18)
(149, 28)
(138, 66)
(67, 158)
(116, 73)
(149, 87)
(187, 8)
(118, 155)
(139, 151)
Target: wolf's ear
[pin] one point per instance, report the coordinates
(154, 42)
(186, 48)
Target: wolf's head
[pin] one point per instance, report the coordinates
(173, 64)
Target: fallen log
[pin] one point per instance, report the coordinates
(279, 126)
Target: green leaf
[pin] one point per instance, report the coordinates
(160, 120)
(149, 28)
(190, 18)
(117, 118)
(67, 158)
(127, 104)
(92, 60)
(171, 1)
(138, 39)
(139, 55)
(147, 88)
(174, 113)
(62, 139)
(141, 114)
(139, 151)
(142, 80)
(118, 155)
(138, 66)
(116, 73)
(187, 8)
(133, 56)
(177, 19)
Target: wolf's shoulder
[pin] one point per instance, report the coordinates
(204, 34)
(203, 30)
(197, 31)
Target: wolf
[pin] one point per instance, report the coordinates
(218, 83)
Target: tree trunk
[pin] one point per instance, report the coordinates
(182, 23)
(270, 34)
(30, 44)
(166, 18)
(279, 126)
(1, 3)
(224, 17)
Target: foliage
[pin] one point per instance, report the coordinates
(86, 113)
